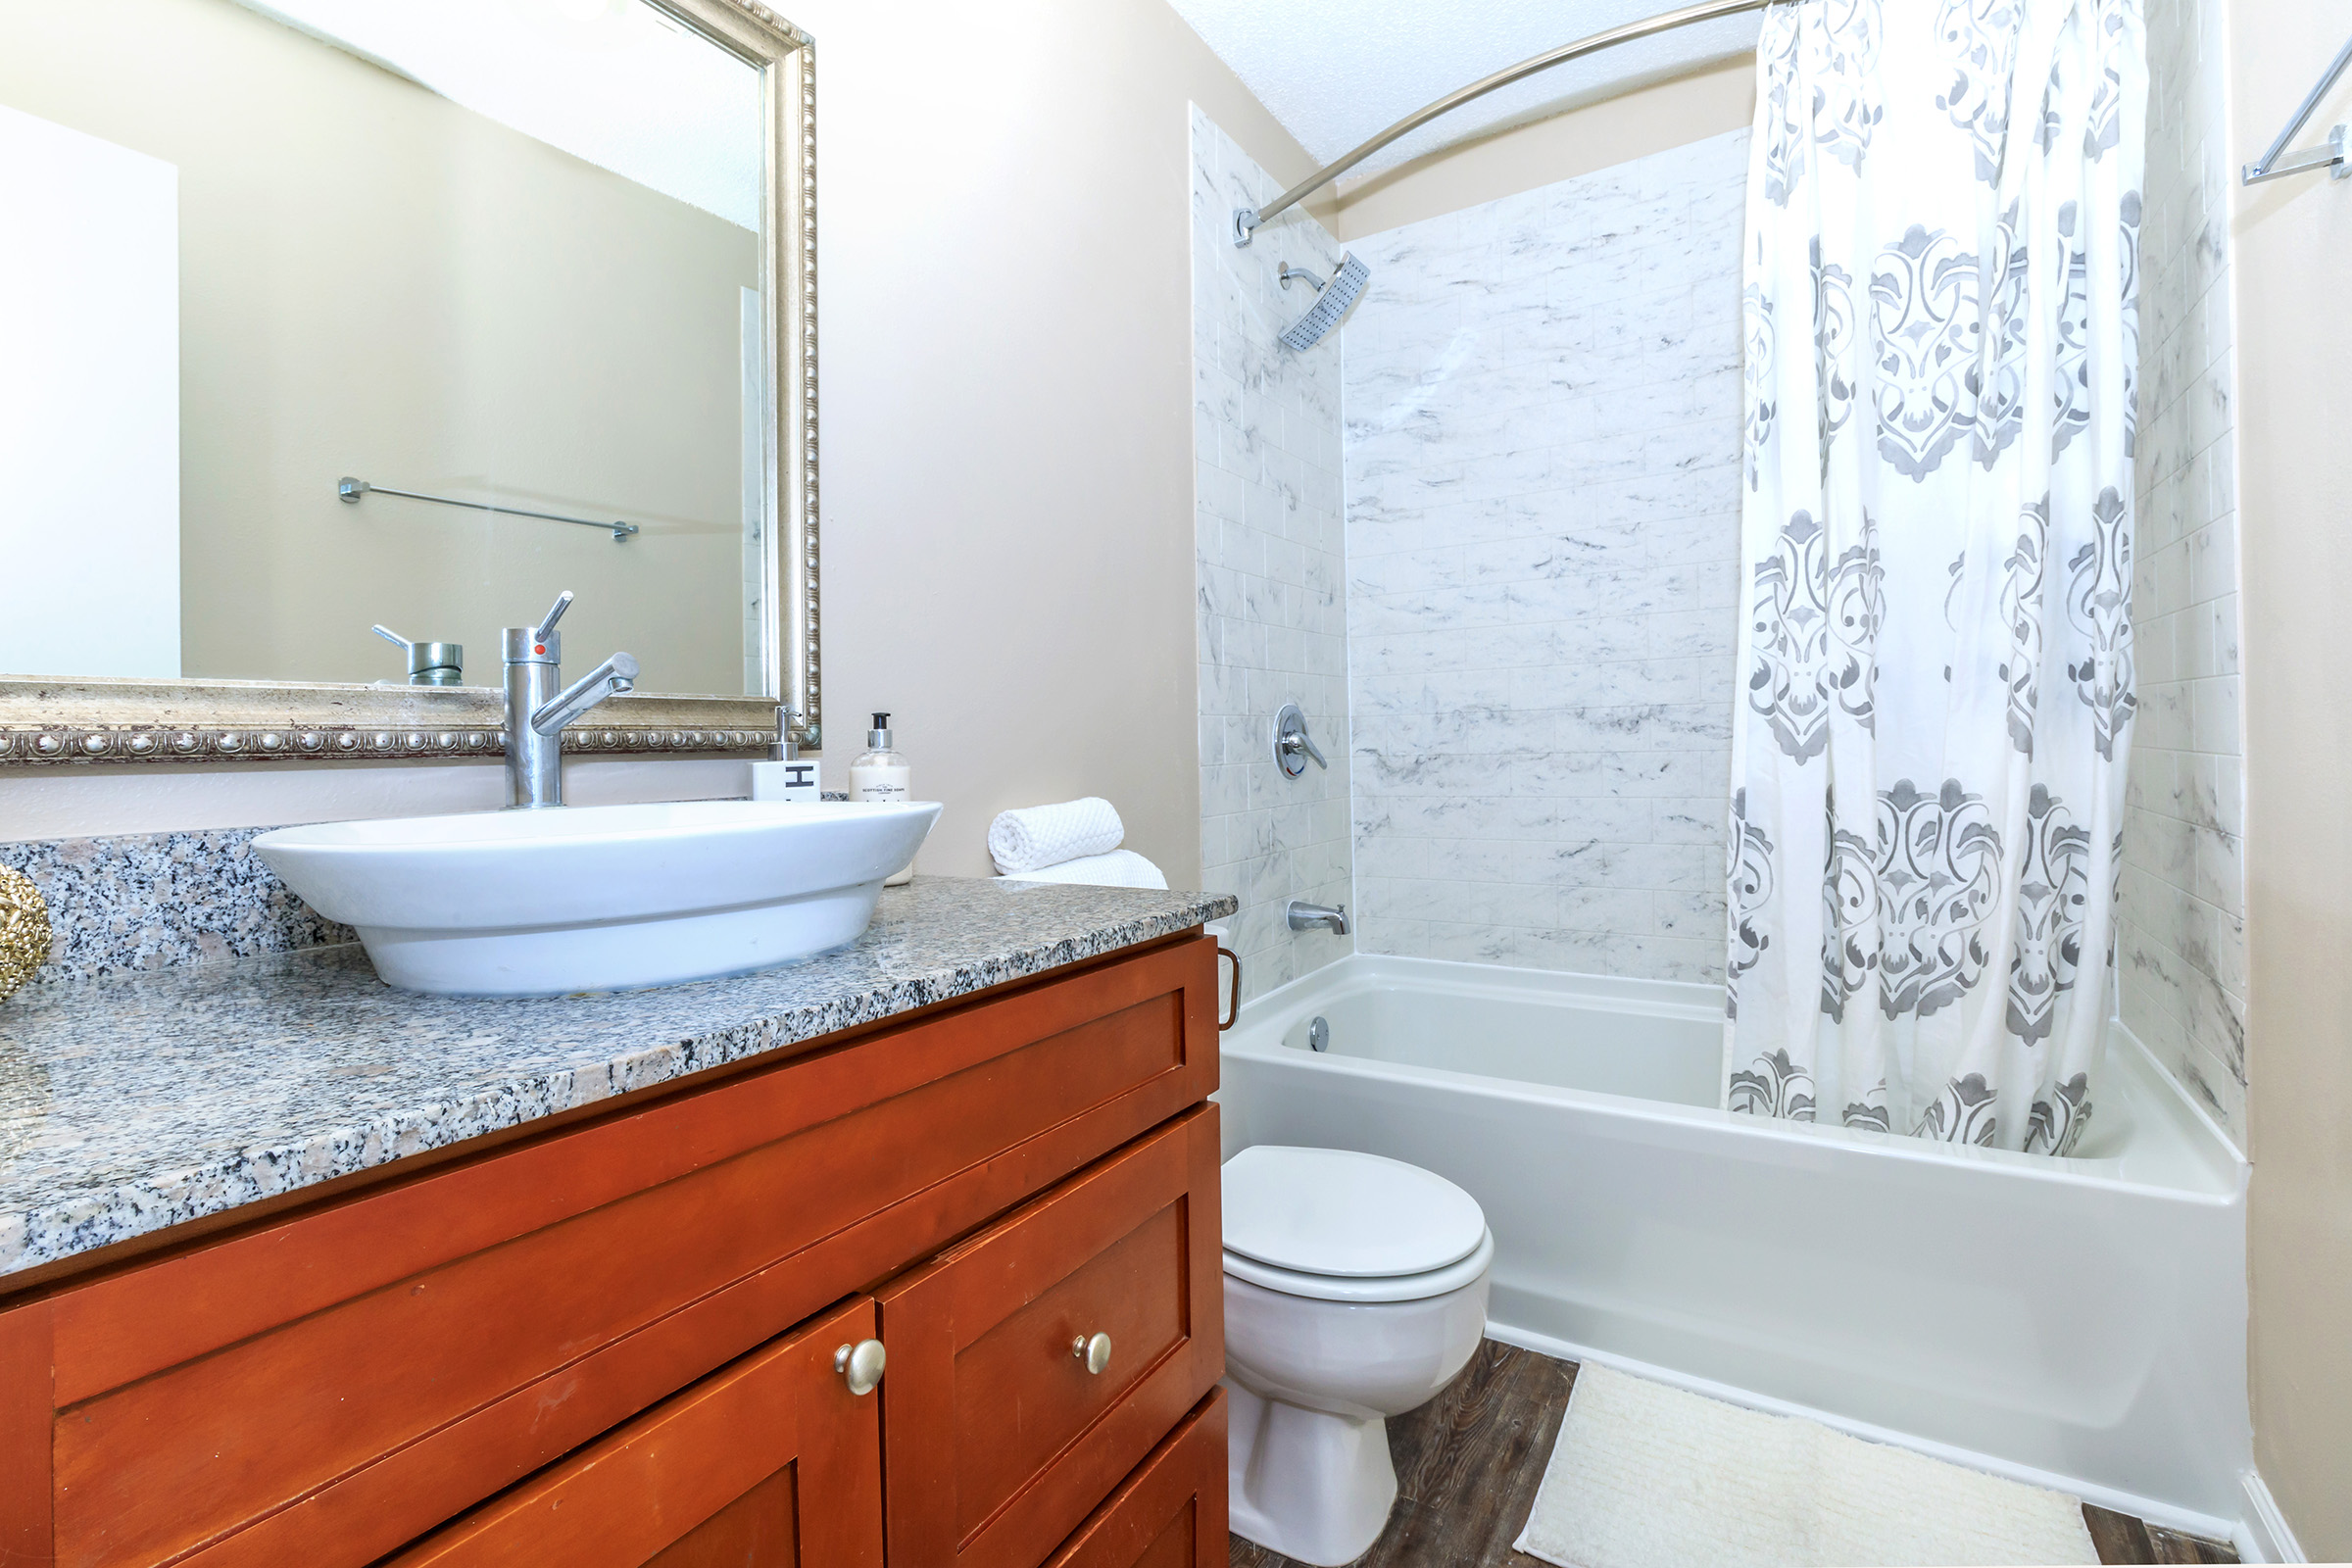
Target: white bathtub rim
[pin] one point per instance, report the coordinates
(2164, 1515)
(1688, 1001)
(2179, 1091)
(1847, 1141)
(1292, 999)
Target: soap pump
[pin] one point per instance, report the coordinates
(786, 775)
(881, 774)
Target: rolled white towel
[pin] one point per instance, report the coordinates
(1039, 836)
(1120, 869)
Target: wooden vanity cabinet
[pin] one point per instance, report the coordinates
(991, 1396)
(771, 1463)
(1170, 1513)
(612, 1343)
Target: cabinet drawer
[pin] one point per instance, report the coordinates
(323, 1389)
(769, 1463)
(1171, 1512)
(989, 1398)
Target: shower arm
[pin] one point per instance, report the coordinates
(1246, 219)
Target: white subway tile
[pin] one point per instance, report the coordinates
(2213, 716)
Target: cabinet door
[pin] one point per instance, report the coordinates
(1000, 1434)
(770, 1462)
(1171, 1512)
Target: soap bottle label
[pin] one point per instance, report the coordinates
(880, 783)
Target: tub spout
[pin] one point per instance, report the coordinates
(1305, 916)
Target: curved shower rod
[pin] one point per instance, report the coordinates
(1246, 219)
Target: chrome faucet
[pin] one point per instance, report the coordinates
(1305, 916)
(536, 712)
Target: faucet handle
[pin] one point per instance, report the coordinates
(563, 602)
(1293, 746)
(429, 663)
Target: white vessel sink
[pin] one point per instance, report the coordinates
(598, 898)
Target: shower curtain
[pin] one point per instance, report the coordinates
(1929, 754)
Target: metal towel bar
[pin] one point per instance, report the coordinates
(351, 490)
(2329, 157)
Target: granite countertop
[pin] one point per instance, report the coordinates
(141, 1101)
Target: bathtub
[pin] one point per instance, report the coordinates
(2077, 1323)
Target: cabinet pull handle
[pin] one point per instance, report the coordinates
(1233, 1010)
(861, 1365)
(1094, 1349)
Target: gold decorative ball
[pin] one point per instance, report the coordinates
(23, 930)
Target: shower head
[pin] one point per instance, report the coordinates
(1330, 305)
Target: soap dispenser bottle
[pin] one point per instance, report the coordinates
(880, 773)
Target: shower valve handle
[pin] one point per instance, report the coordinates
(1293, 746)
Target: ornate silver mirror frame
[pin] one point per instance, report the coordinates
(48, 721)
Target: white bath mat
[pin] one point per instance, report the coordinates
(1645, 1476)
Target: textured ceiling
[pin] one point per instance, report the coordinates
(1335, 71)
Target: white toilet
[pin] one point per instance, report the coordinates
(1355, 1288)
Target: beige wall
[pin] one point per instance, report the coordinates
(1614, 130)
(73, 803)
(1008, 437)
(377, 281)
(1007, 443)
(2295, 381)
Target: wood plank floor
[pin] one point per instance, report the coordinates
(2121, 1538)
(1468, 1463)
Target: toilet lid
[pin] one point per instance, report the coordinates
(1356, 1216)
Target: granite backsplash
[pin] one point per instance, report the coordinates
(154, 901)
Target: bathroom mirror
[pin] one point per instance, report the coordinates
(324, 316)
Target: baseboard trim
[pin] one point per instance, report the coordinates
(2210, 1527)
(2265, 1537)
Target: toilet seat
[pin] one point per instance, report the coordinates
(1334, 1225)
(1360, 1288)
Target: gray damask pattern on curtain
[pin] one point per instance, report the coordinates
(1928, 769)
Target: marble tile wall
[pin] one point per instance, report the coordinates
(1542, 457)
(2181, 945)
(1268, 535)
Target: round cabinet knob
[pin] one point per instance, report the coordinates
(860, 1364)
(1094, 1349)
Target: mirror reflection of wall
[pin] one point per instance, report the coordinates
(89, 404)
(494, 250)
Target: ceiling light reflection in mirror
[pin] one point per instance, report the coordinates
(614, 83)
